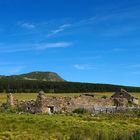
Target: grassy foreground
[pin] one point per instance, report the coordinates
(122, 126)
(68, 127)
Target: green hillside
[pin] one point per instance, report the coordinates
(51, 82)
(40, 76)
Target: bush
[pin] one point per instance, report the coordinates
(81, 111)
(3, 107)
(104, 97)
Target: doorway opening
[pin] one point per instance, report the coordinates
(50, 109)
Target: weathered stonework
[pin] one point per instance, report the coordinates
(123, 98)
(26, 106)
(50, 105)
(10, 101)
(60, 104)
(41, 104)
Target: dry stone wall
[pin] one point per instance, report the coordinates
(44, 104)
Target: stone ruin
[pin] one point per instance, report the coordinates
(122, 98)
(57, 104)
(40, 103)
(61, 104)
(10, 100)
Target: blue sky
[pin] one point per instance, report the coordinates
(82, 40)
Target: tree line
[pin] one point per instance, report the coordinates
(33, 86)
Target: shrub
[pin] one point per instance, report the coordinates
(104, 97)
(81, 111)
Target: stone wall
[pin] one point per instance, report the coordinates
(33, 106)
(44, 104)
(89, 103)
(59, 104)
(26, 106)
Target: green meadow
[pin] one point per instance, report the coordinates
(120, 126)
(69, 127)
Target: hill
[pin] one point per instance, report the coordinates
(39, 76)
(51, 82)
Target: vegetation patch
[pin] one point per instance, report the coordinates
(69, 127)
(81, 111)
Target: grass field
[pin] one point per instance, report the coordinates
(62, 127)
(68, 127)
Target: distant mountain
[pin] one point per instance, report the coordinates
(39, 76)
(51, 82)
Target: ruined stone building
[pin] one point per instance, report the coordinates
(122, 98)
(44, 104)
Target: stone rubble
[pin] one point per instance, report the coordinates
(62, 104)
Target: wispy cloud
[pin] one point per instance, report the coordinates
(84, 66)
(11, 48)
(53, 45)
(114, 16)
(27, 25)
(111, 15)
(65, 26)
(59, 29)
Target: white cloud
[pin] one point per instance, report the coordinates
(56, 31)
(84, 66)
(59, 29)
(28, 25)
(53, 45)
(65, 25)
(11, 48)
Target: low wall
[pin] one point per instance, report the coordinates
(62, 104)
